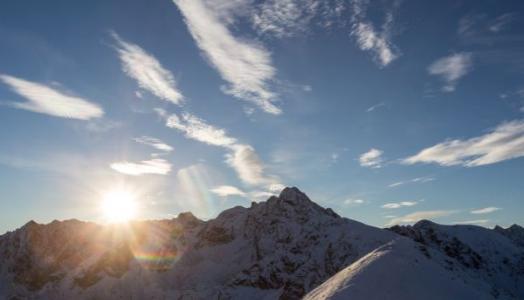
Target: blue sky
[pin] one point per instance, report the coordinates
(386, 111)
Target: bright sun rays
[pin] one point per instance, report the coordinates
(119, 205)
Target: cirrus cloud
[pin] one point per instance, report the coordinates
(245, 65)
(419, 215)
(153, 166)
(147, 71)
(504, 142)
(451, 68)
(371, 159)
(228, 190)
(485, 210)
(51, 101)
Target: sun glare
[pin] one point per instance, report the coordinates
(119, 206)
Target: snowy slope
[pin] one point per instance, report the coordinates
(484, 253)
(397, 270)
(514, 233)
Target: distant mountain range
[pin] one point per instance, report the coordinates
(287, 247)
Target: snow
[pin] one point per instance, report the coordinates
(282, 248)
(397, 270)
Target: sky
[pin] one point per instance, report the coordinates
(389, 112)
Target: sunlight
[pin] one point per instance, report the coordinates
(119, 206)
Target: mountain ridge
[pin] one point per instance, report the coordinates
(282, 248)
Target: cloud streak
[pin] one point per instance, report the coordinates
(371, 159)
(414, 180)
(50, 101)
(228, 190)
(241, 157)
(451, 68)
(244, 64)
(147, 71)
(419, 215)
(154, 142)
(153, 166)
(368, 38)
(486, 210)
(395, 205)
(504, 142)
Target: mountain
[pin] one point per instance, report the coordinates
(514, 233)
(287, 247)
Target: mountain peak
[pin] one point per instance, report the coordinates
(293, 195)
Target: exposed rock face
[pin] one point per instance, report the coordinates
(278, 249)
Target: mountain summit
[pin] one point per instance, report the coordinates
(287, 247)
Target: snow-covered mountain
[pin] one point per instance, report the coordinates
(287, 247)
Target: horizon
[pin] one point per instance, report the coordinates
(388, 113)
(136, 220)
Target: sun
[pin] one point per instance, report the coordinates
(119, 206)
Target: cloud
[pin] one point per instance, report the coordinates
(228, 190)
(501, 21)
(419, 215)
(451, 69)
(371, 159)
(152, 166)
(504, 142)
(154, 142)
(241, 157)
(284, 18)
(369, 38)
(197, 129)
(244, 64)
(485, 210)
(414, 180)
(353, 202)
(46, 100)
(102, 125)
(374, 107)
(399, 204)
(147, 71)
(248, 165)
(472, 222)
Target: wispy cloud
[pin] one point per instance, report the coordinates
(102, 125)
(472, 222)
(451, 68)
(485, 210)
(147, 71)
(228, 190)
(241, 157)
(371, 159)
(284, 18)
(370, 38)
(51, 101)
(353, 202)
(248, 165)
(501, 22)
(154, 142)
(153, 166)
(505, 142)
(395, 205)
(414, 180)
(419, 215)
(197, 129)
(245, 65)
(376, 106)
